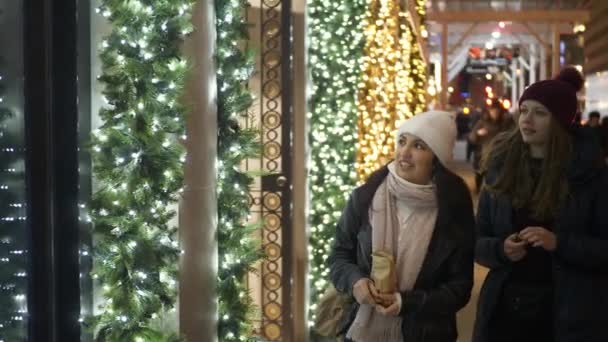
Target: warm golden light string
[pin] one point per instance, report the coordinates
(393, 86)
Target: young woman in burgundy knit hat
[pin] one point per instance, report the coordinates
(543, 225)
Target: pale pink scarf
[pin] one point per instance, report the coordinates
(408, 241)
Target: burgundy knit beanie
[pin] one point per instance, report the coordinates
(558, 95)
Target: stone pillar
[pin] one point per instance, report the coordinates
(198, 210)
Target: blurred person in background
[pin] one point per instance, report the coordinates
(495, 121)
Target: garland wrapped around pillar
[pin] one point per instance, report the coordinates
(237, 250)
(138, 158)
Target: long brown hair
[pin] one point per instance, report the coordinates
(509, 152)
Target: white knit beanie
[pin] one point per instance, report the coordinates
(437, 129)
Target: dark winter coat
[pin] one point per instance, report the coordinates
(444, 284)
(580, 262)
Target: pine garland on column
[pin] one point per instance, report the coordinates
(237, 250)
(138, 158)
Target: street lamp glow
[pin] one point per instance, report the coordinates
(489, 45)
(488, 77)
(496, 34)
(579, 28)
(501, 24)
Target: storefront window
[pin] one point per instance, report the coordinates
(13, 230)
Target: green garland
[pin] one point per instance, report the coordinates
(138, 157)
(237, 250)
(337, 41)
(13, 232)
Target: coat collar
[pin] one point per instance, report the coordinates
(445, 236)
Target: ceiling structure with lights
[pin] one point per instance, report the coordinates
(489, 24)
(526, 28)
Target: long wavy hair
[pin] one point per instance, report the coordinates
(511, 155)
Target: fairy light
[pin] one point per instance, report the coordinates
(393, 87)
(335, 52)
(145, 121)
(234, 236)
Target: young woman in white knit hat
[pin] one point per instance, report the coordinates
(421, 214)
